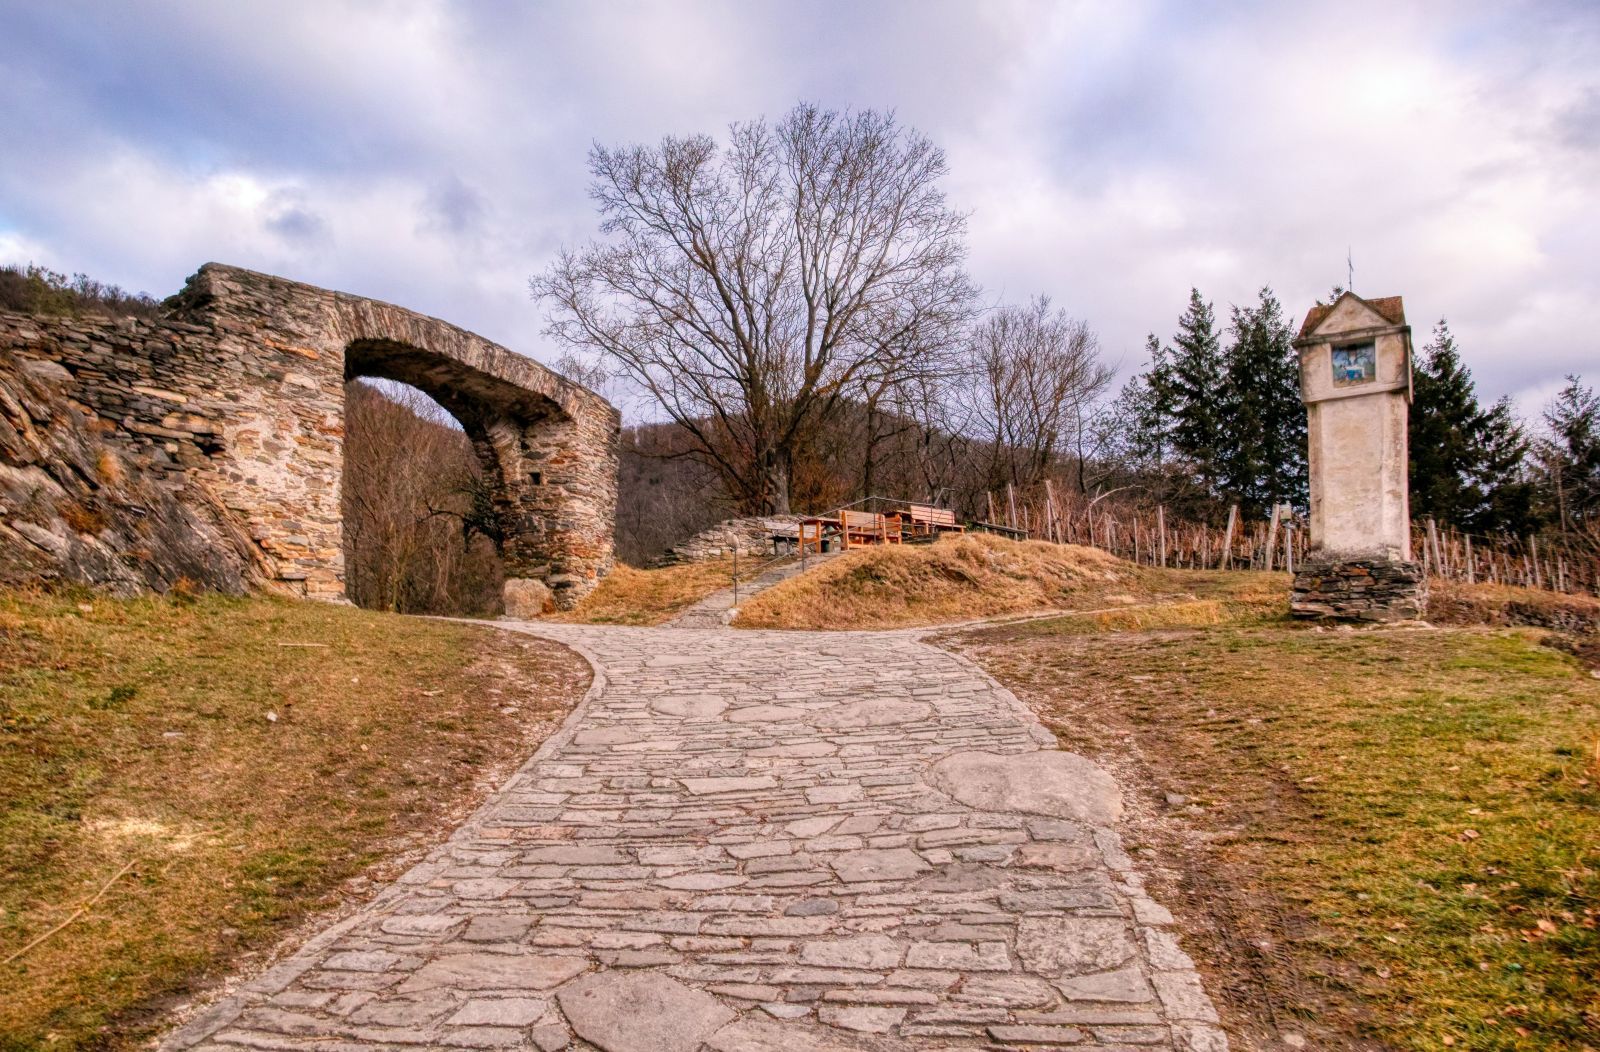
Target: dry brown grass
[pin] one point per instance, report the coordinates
(978, 576)
(1456, 603)
(630, 596)
(82, 518)
(136, 743)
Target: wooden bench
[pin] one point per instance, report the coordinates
(927, 520)
(868, 527)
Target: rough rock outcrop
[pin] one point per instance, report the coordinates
(77, 506)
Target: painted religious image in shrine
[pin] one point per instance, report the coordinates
(1356, 364)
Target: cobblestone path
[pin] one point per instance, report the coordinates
(714, 609)
(758, 842)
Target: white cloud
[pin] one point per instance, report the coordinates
(432, 153)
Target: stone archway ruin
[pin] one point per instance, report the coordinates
(239, 392)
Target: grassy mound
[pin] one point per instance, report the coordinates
(630, 596)
(1457, 603)
(956, 579)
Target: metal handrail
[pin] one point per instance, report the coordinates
(752, 574)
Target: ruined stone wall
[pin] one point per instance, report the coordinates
(752, 536)
(239, 392)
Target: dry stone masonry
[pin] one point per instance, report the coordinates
(71, 508)
(236, 397)
(759, 842)
(751, 536)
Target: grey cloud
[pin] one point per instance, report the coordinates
(453, 207)
(287, 215)
(1578, 124)
(432, 152)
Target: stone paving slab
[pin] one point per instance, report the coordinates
(747, 841)
(717, 609)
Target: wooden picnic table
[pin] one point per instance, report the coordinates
(850, 528)
(817, 525)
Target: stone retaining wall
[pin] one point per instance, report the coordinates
(752, 536)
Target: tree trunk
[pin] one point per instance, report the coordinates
(772, 468)
(870, 446)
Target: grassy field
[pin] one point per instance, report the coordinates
(977, 576)
(630, 596)
(1382, 839)
(199, 775)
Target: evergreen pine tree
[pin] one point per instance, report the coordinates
(1142, 421)
(1263, 452)
(1571, 455)
(1145, 409)
(1443, 410)
(1467, 463)
(1194, 388)
(1507, 494)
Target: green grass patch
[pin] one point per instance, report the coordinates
(1422, 806)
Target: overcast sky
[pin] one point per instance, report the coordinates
(1112, 155)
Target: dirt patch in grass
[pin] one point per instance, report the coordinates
(630, 596)
(241, 763)
(1379, 839)
(977, 576)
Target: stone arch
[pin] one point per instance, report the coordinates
(283, 352)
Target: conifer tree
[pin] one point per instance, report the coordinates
(1144, 410)
(1571, 455)
(1141, 423)
(1195, 389)
(1467, 463)
(1503, 476)
(1264, 423)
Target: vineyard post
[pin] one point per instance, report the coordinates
(1272, 538)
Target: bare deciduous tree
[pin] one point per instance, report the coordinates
(415, 509)
(750, 289)
(1037, 371)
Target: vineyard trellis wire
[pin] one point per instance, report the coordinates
(1150, 536)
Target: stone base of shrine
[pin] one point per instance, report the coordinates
(1374, 588)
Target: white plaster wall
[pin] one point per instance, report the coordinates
(1357, 440)
(1358, 472)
